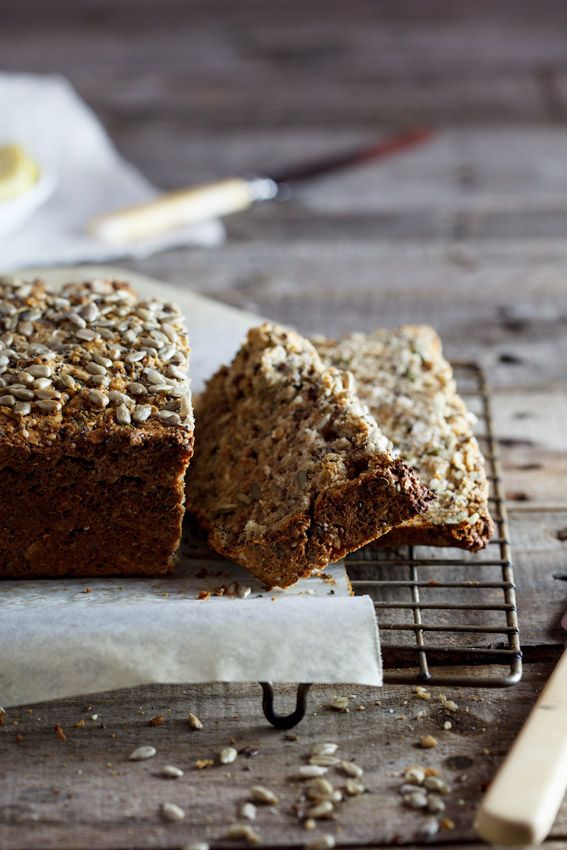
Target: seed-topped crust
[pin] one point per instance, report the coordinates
(93, 384)
(409, 388)
(291, 472)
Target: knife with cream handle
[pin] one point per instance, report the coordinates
(520, 805)
(224, 197)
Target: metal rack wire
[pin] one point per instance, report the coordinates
(446, 616)
(460, 608)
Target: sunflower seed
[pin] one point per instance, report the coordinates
(435, 783)
(90, 312)
(168, 417)
(25, 378)
(135, 356)
(228, 755)
(171, 772)
(142, 412)
(67, 381)
(197, 845)
(263, 795)
(429, 829)
(324, 761)
(7, 400)
(76, 320)
(194, 721)
(310, 771)
(123, 415)
(416, 800)
(23, 408)
(325, 748)
(25, 328)
(119, 398)
(155, 377)
(22, 393)
(160, 388)
(95, 369)
(49, 405)
(172, 812)
(176, 372)
(102, 361)
(248, 811)
(243, 832)
(354, 788)
(321, 810)
(41, 383)
(415, 775)
(86, 334)
(136, 388)
(351, 769)
(324, 842)
(142, 753)
(98, 399)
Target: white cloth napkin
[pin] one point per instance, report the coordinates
(86, 174)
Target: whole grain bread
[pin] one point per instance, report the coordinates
(96, 430)
(409, 388)
(290, 470)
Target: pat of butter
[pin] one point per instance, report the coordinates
(18, 172)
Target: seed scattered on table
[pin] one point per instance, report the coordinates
(435, 783)
(416, 800)
(201, 764)
(422, 693)
(319, 789)
(158, 720)
(354, 788)
(428, 742)
(429, 829)
(351, 769)
(248, 811)
(228, 755)
(321, 810)
(172, 812)
(243, 832)
(194, 721)
(324, 761)
(142, 753)
(169, 771)
(435, 804)
(324, 842)
(310, 771)
(263, 795)
(415, 775)
(325, 748)
(197, 845)
(447, 725)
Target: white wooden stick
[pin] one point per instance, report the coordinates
(175, 209)
(521, 804)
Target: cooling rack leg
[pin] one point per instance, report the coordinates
(287, 721)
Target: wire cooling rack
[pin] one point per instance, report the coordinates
(446, 616)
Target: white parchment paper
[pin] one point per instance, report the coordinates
(67, 637)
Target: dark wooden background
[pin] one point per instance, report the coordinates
(468, 234)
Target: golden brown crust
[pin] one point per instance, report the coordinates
(291, 472)
(409, 388)
(93, 450)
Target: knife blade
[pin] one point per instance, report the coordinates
(522, 802)
(225, 197)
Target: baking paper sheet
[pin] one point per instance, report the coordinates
(67, 637)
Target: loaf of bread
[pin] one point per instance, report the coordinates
(290, 471)
(409, 388)
(96, 430)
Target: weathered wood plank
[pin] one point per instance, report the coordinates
(84, 792)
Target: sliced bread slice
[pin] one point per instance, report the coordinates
(291, 472)
(409, 388)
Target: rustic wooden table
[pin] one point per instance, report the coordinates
(467, 234)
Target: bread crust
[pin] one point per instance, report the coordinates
(409, 387)
(86, 487)
(290, 440)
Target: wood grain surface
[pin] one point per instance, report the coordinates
(467, 233)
